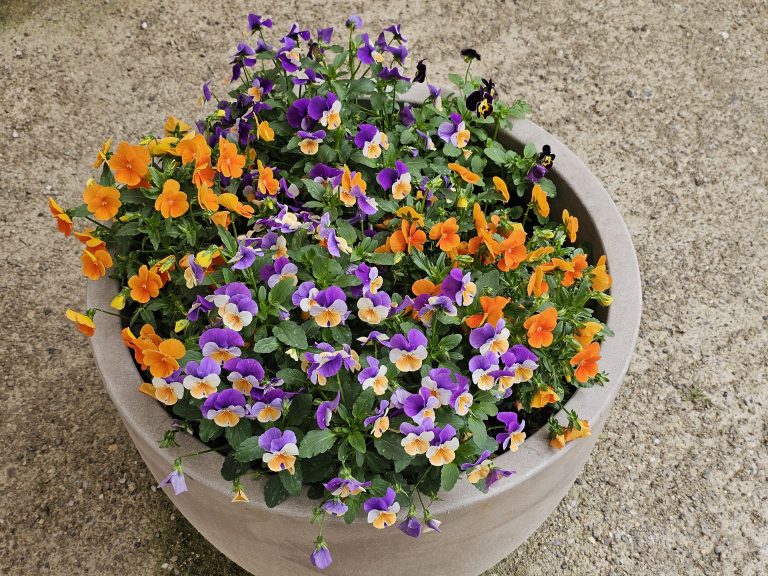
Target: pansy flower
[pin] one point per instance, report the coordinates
(454, 131)
(327, 363)
(379, 419)
(83, 322)
(392, 73)
(484, 469)
(238, 312)
(490, 337)
(480, 101)
(513, 434)
(374, 376)
(408, 237)
(374, 308)
(321, 555)
(374, 336)
(63, 221)
(540, 327)
(411, 526)
(336, 244)
(354, 22)
(268, 405)
(417, 439)
(280, 450)
(326, 110)
(422, 405)
(175, 479)
(202, 378)
(440, 384)
(425, 306)
(130, 164)
(244, 374)
(442, 449)
(330, 307)
(543, 397)
(429, 145)
(168, 390)
(309, 142)
(459, 287)
(102, 201)
(585, 362)
(519, 363)
(163, 359)
(225, 408)
(482, 368)
(493, 311)
(325, 411)
(408, 352)
(305, 296)
(382, 512)
(369, 278)
(289, 55)
(221, 344)
(280, 269)
(256, 22)
(326, 175)
(370, 140)
(406, 116)
(446, 235)
(599, 276)
(367, 53)
(244, 258)
(461, 398)
(243, 58)
(298, 116)
(335, 507)
(397, 180)
(345, 487)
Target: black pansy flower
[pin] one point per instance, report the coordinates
(481, 100)
(421, 72)
(470, 54)
(546, 158)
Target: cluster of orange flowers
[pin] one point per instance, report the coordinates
(151, 351)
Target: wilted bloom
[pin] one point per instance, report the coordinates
(408, 352)
(397, 180)
(221, 344)
(374, 376)
(539, 199)
(225, 407)
(256, 22)
(344, 487)
(411, 526)
(321, 555)
(513, 434)
(382, 512)
(325, 411)
(406, 116)
(454, 131)
(417, 439)
(601, 280)
(176, 480)
(330, 307)
(280, 450)
(470, 54)
(63, 221)
(202, 378)
(84, 323)
(465, 173)
(544, 397)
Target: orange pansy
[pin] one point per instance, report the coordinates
(63, 221)
(601, 280)
(493, 311)
(204, 172)
(102, 201)
(539, 199)
(466, 174)
(425, 286)
(408, 237)
(101, 155)
(193, 147)
(445, 233)
(163, 361)
(573, 269)
(173, 125)
(265, 132)
(544, 397)
(267, 182)
(221, 218)
(83, 323)
(230, 162)
(540, 327)
(95, 263)
(586, 362)
(172, 203)
(513, 250)
(130, 163)
(572, 433)
(537, 285)
(501, 188)
(144, 285)
(586, 333)
(571, 225)
(233, 204)
(207, 198)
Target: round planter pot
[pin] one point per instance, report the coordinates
(478, 529)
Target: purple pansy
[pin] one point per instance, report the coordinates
(406, 116)
(225, 407)
(326, 175)
(421, 406)
(417, 439)
(411, 526)
(344, 487)
(325, 411)
(379, 419)
(326, 110)
(194, 273)
(280, 449)
(459, 287)
(374, 336)
(278, 270)
(443, 447)
(382, 511)
(369, 278)
(536, 173)
(256, 22)
(330, 307)
(243, 58)
(454, 131)
(268, 405)
(221, 344)
(244, 373)
(298, 116)
(425, 305)
(370, 140)
(354, 22)
(396, 180)
(327, 363)
(490, 338)
(367, 53)
(483, 368)
(201, 305)
(176, 480)
(513, 434)
(427, 139)
(202, 377)
(246, 255)
(289, 55)
(408, 352)
(335, 507)
(321, 556)
(305, 296)
(335, 243)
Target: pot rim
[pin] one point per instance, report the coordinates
(146, 418)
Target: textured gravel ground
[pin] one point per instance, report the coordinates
(668, 104)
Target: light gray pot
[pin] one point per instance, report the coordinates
(478, 530)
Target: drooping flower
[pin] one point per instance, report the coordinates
(397, 180)
(411, 526)
(544, 397)
(280, 450)
(442, 449)
(540, 327)
(483, 469)
(493, 311)
(221, 344)
(406, 115)
(417, 439)
(345, 487)
(354, 22)
(172, 202)
(539, 199)
(95, 263)
(374, 376)
(465, 173)
(408, 353)
(102, 201)
(63, 221)
(586, 333)
(176, 480)
(382, 511)
(371, 281)
(501, 188)
(256, 22)
(585, 362)
(379, 419)
(84, 323)
(454, 131)
(321, 556)
(459, 287)
(513, 434)
(330, 307)
(130, 163)
(571, 225)
(599, 276)
(289, 55)
(202, 378)
(325, 411)
(225, 408)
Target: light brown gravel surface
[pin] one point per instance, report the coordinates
(666, 102)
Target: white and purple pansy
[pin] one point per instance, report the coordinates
(483, 369)
(246, 254)
(367, 53)
(244, 374)
(335, 243)
(268, 405)
(459, 287)
(379, 419)
(417, 439)
(289, 55)
(309, 142)
(382, 511)
(369, 278)
(374, 376)
(344, 487)
(454, 131)
(327, 363)
(280, 450)
(425, 305)
(490, 338)
(513, 435)
(225, 408)
(221, 344)
(330, 307)
(408, 352)
(326, 110)
(396, 180)
(238, 312)
(374, 308)
(442, 449)
(305, 296)
(278, 270)
(370, 140)
(325, 411)
(202, 378)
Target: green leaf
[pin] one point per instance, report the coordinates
(548, 186)
(227, 239)
(448, 476)
(266, 345)
(274, 491)
(353, 507)
(232, 469)
(209, 430)
(292, 377)
(299, 411)
(291, 482)
(496, 153)
(249, 450)
(389, 446)
(236, 434)
(282, 291)
(292, 334)
(357, 441)
(530, 150)
(316, 442)
(450, 342)
(456, 79)
(362, 407)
